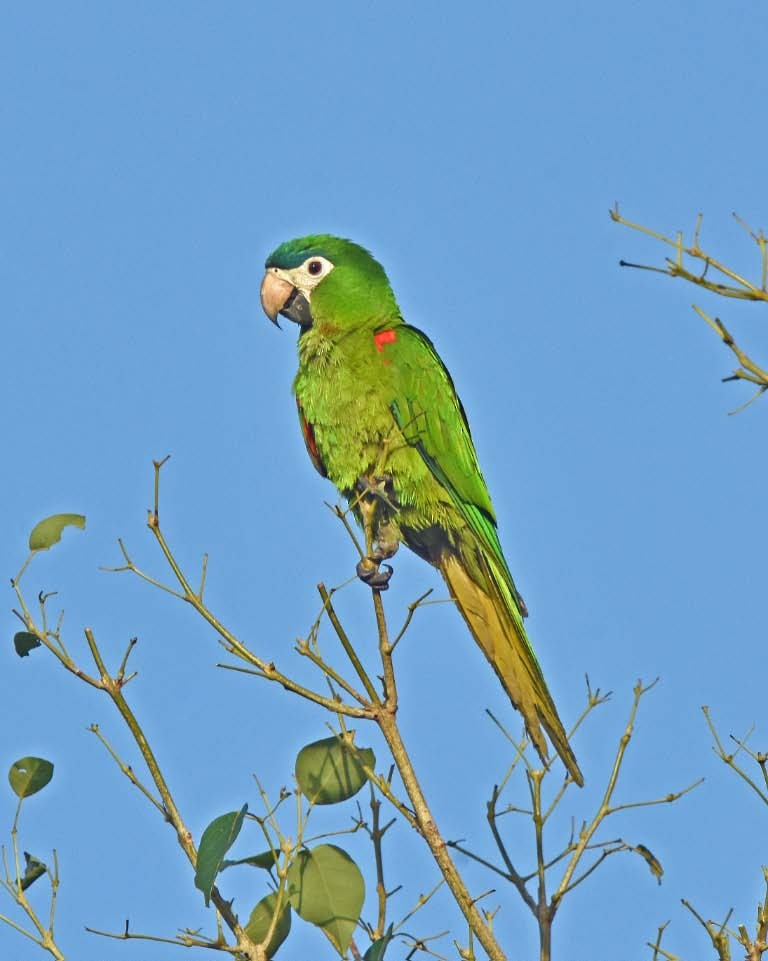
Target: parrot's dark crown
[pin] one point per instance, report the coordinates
(339, 251)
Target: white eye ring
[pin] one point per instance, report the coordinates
(315, 268)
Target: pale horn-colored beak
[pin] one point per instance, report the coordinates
(274, 293)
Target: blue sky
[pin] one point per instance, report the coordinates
(153, 155)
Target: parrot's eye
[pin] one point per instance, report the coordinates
(311, 272)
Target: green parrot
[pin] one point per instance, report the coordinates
(381, 419)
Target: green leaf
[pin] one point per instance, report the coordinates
(217, 839)
(264, 860)
(376, 951)
(326, 888)
(24, 642)
(651, 860)
(260, 922)
(33, 870)
(48, 531)
(29, 775)
(331, 770)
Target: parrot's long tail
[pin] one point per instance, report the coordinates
(497, 626)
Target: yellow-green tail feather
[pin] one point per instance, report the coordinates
(501, 635)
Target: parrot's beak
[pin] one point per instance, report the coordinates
(279, 296)
(274, 295)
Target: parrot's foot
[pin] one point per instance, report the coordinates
(374, 574)
(386, 543)
(377, 488)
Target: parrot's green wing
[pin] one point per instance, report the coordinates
(431, 416)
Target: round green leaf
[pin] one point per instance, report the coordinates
(331, 770)
(260, 922)
(217, 839)
(48, 531)
(24, 642)
(29, 775)
(326, 888)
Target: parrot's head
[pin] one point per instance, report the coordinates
(325, 279)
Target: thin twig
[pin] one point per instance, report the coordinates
(127, 769)
(738, 288)
(718, 934)
(346, 644)
(728, 759)
(658, 951)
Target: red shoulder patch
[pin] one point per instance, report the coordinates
(384, 337)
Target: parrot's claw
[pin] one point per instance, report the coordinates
(383, 550)
(373, 574)
(378, 488)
